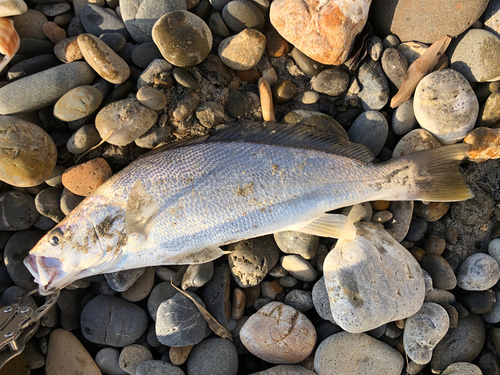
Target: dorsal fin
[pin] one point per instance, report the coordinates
(304, 134)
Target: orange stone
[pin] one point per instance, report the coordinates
(323, 30)
(54, 32)
(276, 45)
(84, 178)
(485, 144)
(380, 205)
(251, 75)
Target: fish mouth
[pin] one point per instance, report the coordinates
(47, 272)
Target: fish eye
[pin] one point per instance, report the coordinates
(55, 236)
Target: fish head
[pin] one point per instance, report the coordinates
(74, 249)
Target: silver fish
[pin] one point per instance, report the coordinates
(180, 205)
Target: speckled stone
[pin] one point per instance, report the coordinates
(213, 356)
(370, 129)
(478, 272)
(462, 368)
(132, 356)
(375, 89)
(83, 179)
(244, 50)
(331, 82)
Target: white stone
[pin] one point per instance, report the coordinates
(12, 7)
(478, 272)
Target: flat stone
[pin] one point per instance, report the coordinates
(83, 139)
(12, 8)
(160, 293)
(347, 353)
(151, 98)
(349, 271)
(447, 117)
(331, 82)
(478, 272)
(141, 288)
(299, 267)
(394, 66)
(23, 95)
(96, 21)
(279, 334)
(143, 54)
(244, 50)
(415, 141)
(217, 294)
(83, 179)
(440, 270)
(47, 203)
(78, 103)
(323, 31)
(31, 66)
(477, 302)
(399, 225)
(213, 356)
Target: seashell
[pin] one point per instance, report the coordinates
(9, 41)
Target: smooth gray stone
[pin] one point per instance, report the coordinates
(440, 270)
(160, 293)
(157, 368)
(32, 65)
(493, 316)
(69, 201)
(285, 370)
(139, 16)
(213, 356)
(75, 27)
(399, 225)
(157, 66)
(300, 300)
(122, 280)
(109, 320)
(70, 304)
(47, 203)
(107, 361)
(370, 129)
(478, 272)
(144, 54)
(16, 249)
(17, 211)
(24, 95)
(97, 21)
(374, 93)
(31, 47)
(303, 244)
(83, 139)
(115, 41)
(321, 301)
(394, 65)
(217, 294)
(403, 119)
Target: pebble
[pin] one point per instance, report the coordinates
(299, 267)
(488, 362)
(23, 95)
(157, 368)
(478, 272)
(67, 50)
(179, 322)
(140, 16)
(239, 302)
(70, 304)
(151, 98)
(12, 8)
(418, 227)
(276, 45)
(434, 245)
(53, 9)
(331, 82)
(83, 139)
(141, 288)
(244, 50)
(321, 301)
(494, 249)
(30, 24)
(460, 344)
(343, 352)
(250, 260)
(213, 356)
(392, 17)
(107, 361)
(16, 249)
(449, 118)
(184, 78)
(374, 47)
(300, 300)
(17, 211)
(381, 216)
(103, 317)
(484, 142)
(478, 209)
(115, 41)
(424, 330)
(83, 179)
(489, 112)
(55, 178)
(333, 36)
(491, 17)
(197, 275)
(160, 293)
(67, 355)
(356, 269)
(432, 211)
(144, 54)
(394, 65)
(169, 34)
(403, 119)
(47, 204)
(132, 356)
(477, 302)
(239, 15)
(370, 129)
(69, 201)
(217, 25)
(306, 64)
(303, 244)
(210, 114)
(412, 50)
(103, 59)
(152, 75)
(308, 97)
(120, 281)
(153, 137)
(358, 212)
(375, 89)
(464, 51)
(391, 41)
(440, 270)
(285, 370)
(31, 66)
(96, 20)
(217, 295)
(462, 368)
(279, 334)
(127, 118)
(78, 103)
(54, 32)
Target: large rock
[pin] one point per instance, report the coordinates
(372, 280)
(324, 30)
(422, 20)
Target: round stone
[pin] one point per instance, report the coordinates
(31, 66)
(375, 92)
(478, 272)
(243, 14)
(283, 91)
(217, 25)
(446, 105)
(103, 59)
(210, 114)
(160, 293)
(184, 78)
(300, 300)
(144, 54)
(394, 65)
(197, 275)
(183, 38)
(141, 288)
(279, 334)
(331, 82)
(30, 24)
(28, 154)
(299, 267)
(418, 227)
(370, 129)
(244, 50)
(213, 356)
(78, 103)
(462, 368)
(17, 211)
(431, 212)
(303, 244)
(403, 119)
(440, 270)
(47, 203)
(490, 110)
(69, 201)
(474, 54)
(321, 301)
(477, 302)
(151, 98)
(83, 179)
(494, 249)
(127, 118)
(67, 50)
(115, 41)
(132, 356)
(83, 139)
(107, 360)
(16, 249)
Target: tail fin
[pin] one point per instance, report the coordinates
(438, 177)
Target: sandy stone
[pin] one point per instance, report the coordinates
(244, 50)
(67, 50)
(12, 8)
(462, 368)
(179, 355)
(83, 179)
(485, 144)
(279, 334)
(28, 154)
(78, 103)
(103, 59)
(151, 98)
(325, 30)
(372, 280)
(141, 287)
(67, 355)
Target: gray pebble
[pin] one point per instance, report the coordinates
(288, 281)
(115, 41)
(476, 210)
(299, 267)
(10, 296)
(157, 368)
(321, 301)
(261, 302)
(478, 272)
(102, 321)
(303, 244)
(217, 294)
(374, 93)
(70, 304)
(306, 64)
(391, 41)
(16, 249)
(242, 104)
(197, 275)
(144, 54)
(374, 47)
(153, 137)
(402, 213)
(55, 178)
(300, 300)
(30, 24)
(75, 27)
(132, 356)
(377, 332)
(210, 114)
(440, 296)
(394, 65)
(267, 291)
(47, 203)
(157, 66)
(107, 361)
(184, 78)
(33, 47)
(97, 21)
(358, 212)
(126, 53)
(69, 201)
(330, 82)
(213, 356)
(83, 139)
(179, 322)
(403, 119)
(120, 281)
(17, 211)
(381, 216)
(34, 356)
(370, 129)
(493, 316)
(476, 302)
(278, 271)
(242, 14)
(53, 9)
(440, 270)
(31, 66)
(418, 227)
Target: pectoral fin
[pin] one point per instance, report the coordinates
(141, 209)
(202, 256)
(330, 225)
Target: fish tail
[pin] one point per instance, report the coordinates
(437, 175)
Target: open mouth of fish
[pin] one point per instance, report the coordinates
(46, 271)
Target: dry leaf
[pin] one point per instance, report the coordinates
(419, 69)
(214, 325)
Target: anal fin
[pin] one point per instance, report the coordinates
(201, 256)
(329, 225)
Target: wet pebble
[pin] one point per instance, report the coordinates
(83, 179)
(478, 272)
(17, 211)
(330, 82)
(83, 139)
(299, 267)
(244, 50)
(213, 356)
(370, 129)
(132, 356)
(300, 300)
(374, 94)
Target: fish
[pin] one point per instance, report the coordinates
(181, 203)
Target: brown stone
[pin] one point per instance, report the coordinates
(251, 75)
(54, 32)
(276, 45)
(239, 300)
(83, 179)
(251, 295)
(485, 144)
(141, 288)
(178, 355)
(67, 50)
(417, 253)
(325, 30)
(380, 205)
(431, 212)
(276, 286)
(244, 50)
